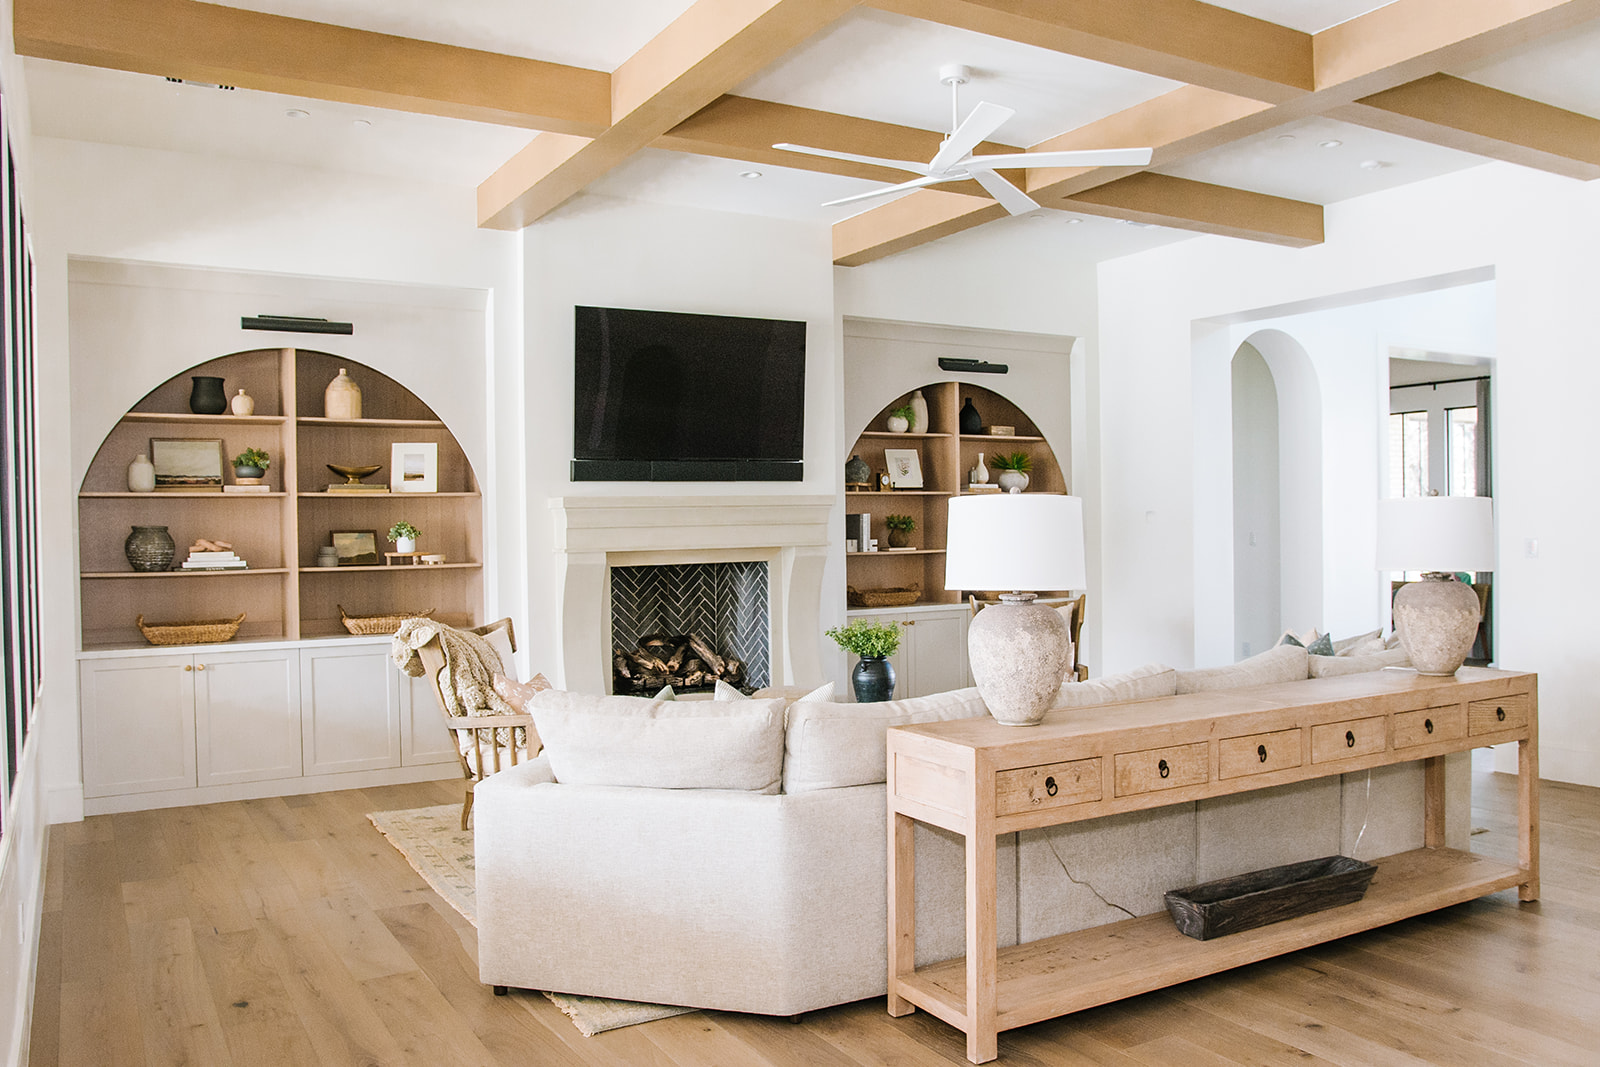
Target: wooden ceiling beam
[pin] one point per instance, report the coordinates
(1178, 203)
(1184, 40)
(229, 46)
(710, 48)
(1464, 115)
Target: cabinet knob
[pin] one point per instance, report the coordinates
(1261, 753)
(1500, 713)
(911, 622)
(188, 667)
(1050, 786)
(199, 666)
(1427, 724)
(1163, 768)
(1349, 739)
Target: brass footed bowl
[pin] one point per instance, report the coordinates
(353, 475)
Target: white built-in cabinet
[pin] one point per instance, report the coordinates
(932, 657)
(349, 709)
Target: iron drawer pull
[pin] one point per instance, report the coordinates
(1261, 751)
(1163, 768)
(1427, 724)
(1050, 785)
(1500, 713)
(1349, 739)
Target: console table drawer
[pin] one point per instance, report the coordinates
(1051, 785)
(1161, 768)
(1413, 728)
(1491, 716)
(1342, 740)
(1260, 753)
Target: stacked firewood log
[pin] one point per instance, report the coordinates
(684, 661)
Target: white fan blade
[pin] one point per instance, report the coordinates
(850, 157)
(973, 131)
(1089, 157)
(1011, 198)
(887, 190)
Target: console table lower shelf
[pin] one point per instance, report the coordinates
(1134, 956)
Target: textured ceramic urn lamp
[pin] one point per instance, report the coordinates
(1437, 618)
(1019, 651)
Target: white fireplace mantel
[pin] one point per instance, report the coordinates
(792, 534)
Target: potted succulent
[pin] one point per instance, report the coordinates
(900, 418)
(1013, 470)
(873, 642)
(251, 463)
(900, 527)
(404, 535)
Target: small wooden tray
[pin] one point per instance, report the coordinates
(1246, 901)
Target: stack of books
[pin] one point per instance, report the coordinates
(356, 487)
(984, 487)
(214, 561)
(253, 485)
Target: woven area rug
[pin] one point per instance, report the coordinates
(432, 841)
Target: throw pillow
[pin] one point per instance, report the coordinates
(831, 745)
(1346, 646)
(662, 744)
(516, 693)
(1142, 683)
(1314, 643)
(1329, 666)
(791, 694)
(500, 641)
(665, 693)
(1286, 663)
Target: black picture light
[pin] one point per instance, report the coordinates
(293, 324)
(973, 366)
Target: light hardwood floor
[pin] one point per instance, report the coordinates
(287, 931)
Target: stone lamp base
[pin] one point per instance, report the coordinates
(1019, 653)
(1436, 620)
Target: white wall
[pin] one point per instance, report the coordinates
(1159, 309)
(1257, 562)
(615, 253)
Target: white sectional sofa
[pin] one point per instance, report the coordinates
(731, 854)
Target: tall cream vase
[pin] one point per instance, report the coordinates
(342, 398)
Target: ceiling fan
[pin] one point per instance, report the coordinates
(955, 162)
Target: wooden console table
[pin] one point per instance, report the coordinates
(980, 779)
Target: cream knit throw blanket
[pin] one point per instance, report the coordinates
(470, 662)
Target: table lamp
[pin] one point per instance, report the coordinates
(1019, 651)
(1437, 618)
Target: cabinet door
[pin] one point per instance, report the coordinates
(937, 652)
(138, 724)
(349, 709)
(247, 716)
(423, 735)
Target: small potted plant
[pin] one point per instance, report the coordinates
(873, 642)
(900, 419)
(900, 527)
(251, 463)
(404, 535)
(1013, 470)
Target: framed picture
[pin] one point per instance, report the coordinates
(905, 467)
(356, 548)
(414, 467)
(187, 463)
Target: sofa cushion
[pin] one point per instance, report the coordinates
(1328, 666)
(832, 745)
(1286, 663)
(663, 744)
(1142, 683)
(1360, 644)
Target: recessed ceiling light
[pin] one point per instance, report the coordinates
(1331, 142)
(750, 174)
(1375, 164)
(361, 124)
(1073, 222)
(1285, 136)
(296, 113)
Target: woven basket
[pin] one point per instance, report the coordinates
(190, 633)
(883, 598)
(366, 625)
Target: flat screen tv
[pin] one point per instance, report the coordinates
(665, 396)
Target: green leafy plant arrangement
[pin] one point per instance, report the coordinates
(403, 529)
(869, 640)
(900, 522)
(1015, 461)
(253, 457)
(908, 413)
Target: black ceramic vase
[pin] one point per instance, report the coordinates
(207, 396)
(971, 421)
(873, 680)
(149, 548)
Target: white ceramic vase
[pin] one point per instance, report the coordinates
(243, 404)
(342, 398)
(897, 424)
(919, 412)
(1012, 481)
(978, 475)
(405, 544)
(141, 475)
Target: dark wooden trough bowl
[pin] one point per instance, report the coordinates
(1247, 901)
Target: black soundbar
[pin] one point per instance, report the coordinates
(687, 470)
(972, 366)
(293, 324)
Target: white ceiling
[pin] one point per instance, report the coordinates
(869, 64)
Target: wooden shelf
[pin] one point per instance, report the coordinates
(899, 552)
(1123, 959)
(181, 496)
(325, 495)
(317, 420)
(892, 434)
(412, 570)
(998, 437)
(234, 573)
(186, 416)
(885, 494)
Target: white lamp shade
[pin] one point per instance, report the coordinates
(1436, 533)
(1020, 542)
